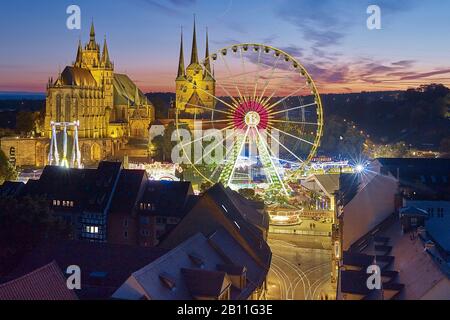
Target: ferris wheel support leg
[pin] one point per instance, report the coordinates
(76, 145)
(64, 162)
(227, 173)
(54, 149)
(268, 163)
(50, 152)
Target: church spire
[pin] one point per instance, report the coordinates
(194, 54)
(105, 55)
(79, 59)
(92, 45)
(181, 70)
(207, 61)
(92, 34)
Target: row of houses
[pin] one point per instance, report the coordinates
(395, 215)
(141, 239)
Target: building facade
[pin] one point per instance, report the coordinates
(195, 85)
(109, 106)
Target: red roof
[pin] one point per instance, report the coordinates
(46, 283)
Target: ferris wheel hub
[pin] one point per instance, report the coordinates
(251, 114)
(252, 119)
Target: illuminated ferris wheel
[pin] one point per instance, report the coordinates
(264, 124)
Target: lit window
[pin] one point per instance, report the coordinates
(92, 229)
(54, 202)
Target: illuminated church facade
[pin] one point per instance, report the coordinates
(195, 85)
(108, 105)
(110, 108)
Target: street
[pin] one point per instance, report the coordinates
(301, 267)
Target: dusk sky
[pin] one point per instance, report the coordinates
(329, 37)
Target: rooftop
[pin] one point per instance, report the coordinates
(44, 283)
(115, 262)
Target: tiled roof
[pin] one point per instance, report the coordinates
(90, 189)
(117, 262)
(74, 76)
(169, 266)
(125, 90)
(45, 283)
(329, 182)
(430, 178)
(237, 215)
(168, 197)
(127, 190)
(205, 283)
(197, 267)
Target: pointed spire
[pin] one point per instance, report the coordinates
(105, 55)
(92, 34)
(207, 61)
(79, 59)
(194, 54)
(181, 69)
(92, 45)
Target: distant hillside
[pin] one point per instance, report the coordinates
(161, 101)
(417, 117)
(22, 96)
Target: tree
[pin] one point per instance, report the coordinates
(25, 122)
(7, 171)
(163, 145)
(24, 222)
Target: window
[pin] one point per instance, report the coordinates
(125, 234)
(92, 229)
(125, 222)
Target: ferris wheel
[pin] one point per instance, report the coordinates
(262, 123)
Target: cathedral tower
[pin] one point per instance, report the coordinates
(192, 96)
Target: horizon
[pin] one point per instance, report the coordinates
(332, 41)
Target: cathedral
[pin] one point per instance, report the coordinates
(113, 114)
(195, 85)
(109, 106)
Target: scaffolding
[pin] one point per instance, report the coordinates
(54, 156)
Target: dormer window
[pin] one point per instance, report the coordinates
(197, 259)
(168, 281)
